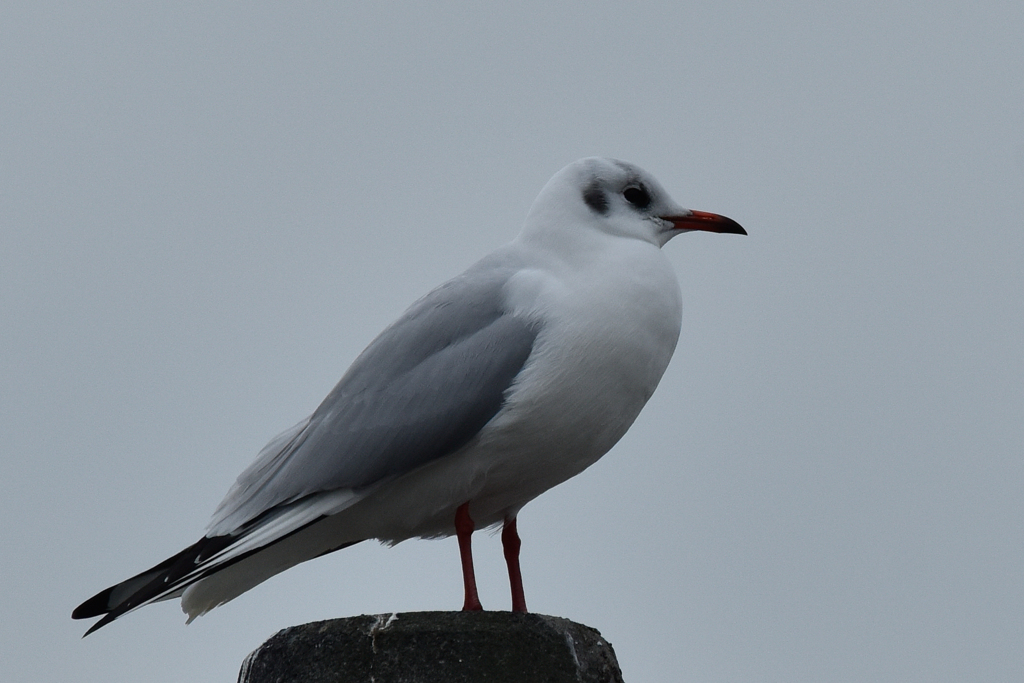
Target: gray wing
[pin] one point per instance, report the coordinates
(422, 389)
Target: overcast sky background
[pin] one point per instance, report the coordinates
(207, 212)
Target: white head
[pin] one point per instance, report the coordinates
(616, 198)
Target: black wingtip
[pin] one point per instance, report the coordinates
(167, 579)
(98, 625)
(94, 606)
(103, 622)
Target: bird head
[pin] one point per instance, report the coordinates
(617, 198)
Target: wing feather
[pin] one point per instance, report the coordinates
(422, 389)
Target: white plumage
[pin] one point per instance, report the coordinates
(498, 385)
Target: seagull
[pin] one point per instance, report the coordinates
(496, 386)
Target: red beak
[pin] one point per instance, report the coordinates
(710, 222)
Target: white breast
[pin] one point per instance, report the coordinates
(609, 325)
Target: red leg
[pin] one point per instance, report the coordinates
(464, 530)
(510, 543)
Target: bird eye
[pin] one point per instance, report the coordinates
(637, 196)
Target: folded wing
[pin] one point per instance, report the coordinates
(423, 389)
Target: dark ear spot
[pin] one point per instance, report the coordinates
(595, 199)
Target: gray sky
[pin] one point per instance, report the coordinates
(208, 212)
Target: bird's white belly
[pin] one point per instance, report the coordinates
(591, 373)
(578, 405)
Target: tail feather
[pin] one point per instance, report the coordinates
(106, 600)
(164, 581)
(211, 554)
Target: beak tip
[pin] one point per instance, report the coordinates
(731, 227)
(709, 222)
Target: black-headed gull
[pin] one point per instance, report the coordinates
(501, 383)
